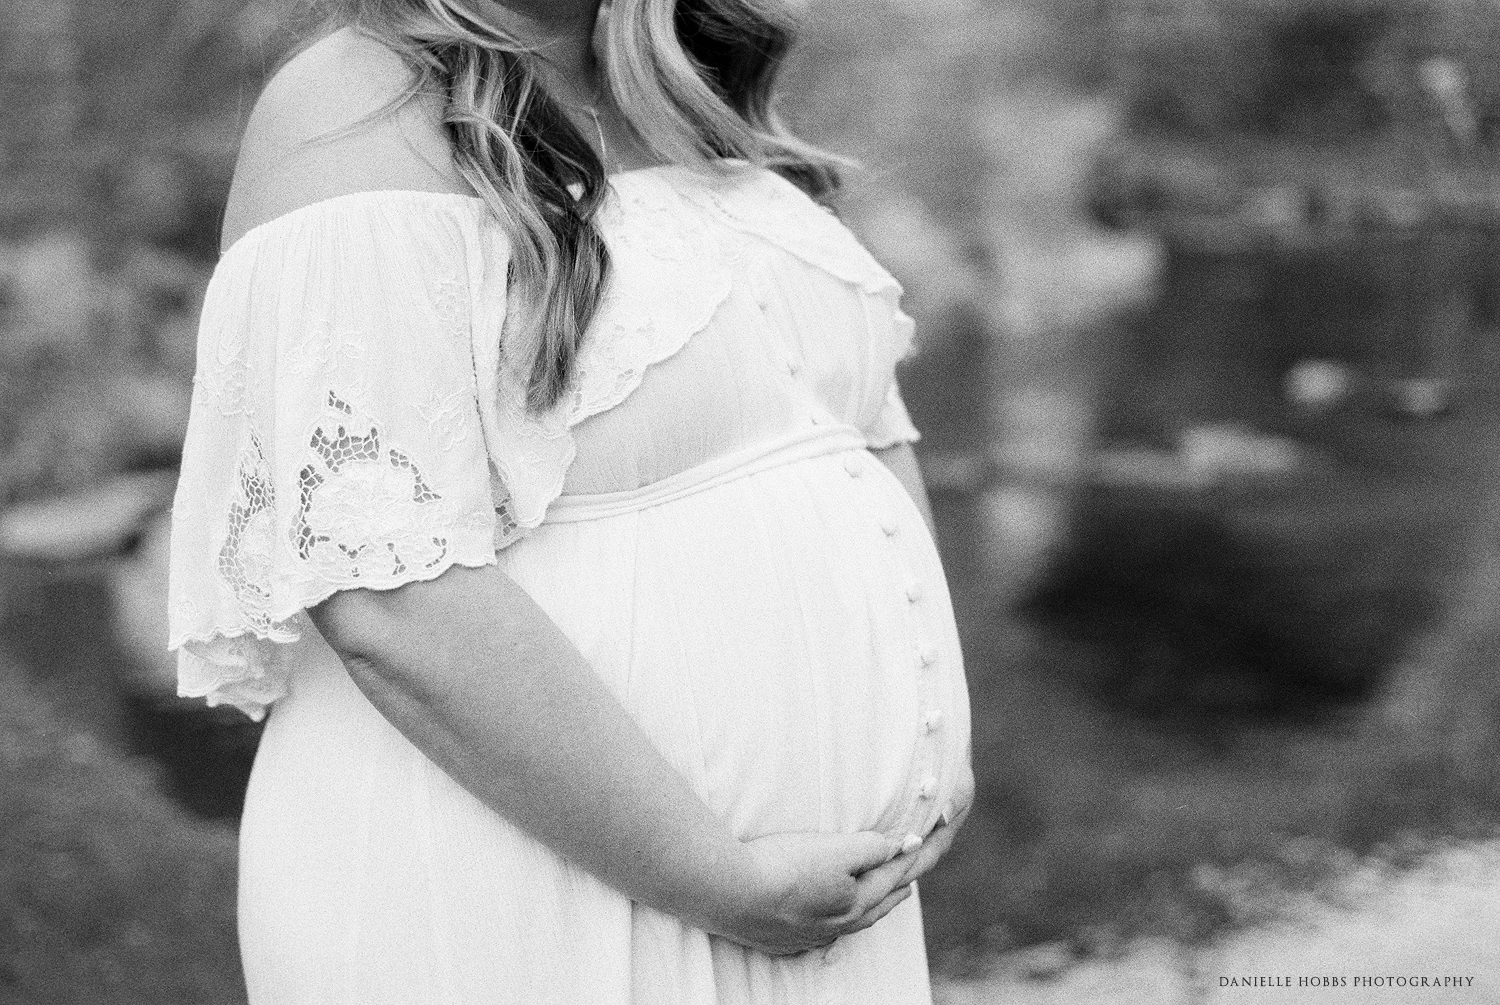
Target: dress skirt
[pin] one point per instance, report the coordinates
(778, 624)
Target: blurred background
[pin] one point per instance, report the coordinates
(1208, 302)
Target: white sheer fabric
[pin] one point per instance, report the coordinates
(701, 517)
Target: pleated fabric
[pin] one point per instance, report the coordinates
(703, 518)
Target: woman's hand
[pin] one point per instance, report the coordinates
(937, 842)
(807, 889)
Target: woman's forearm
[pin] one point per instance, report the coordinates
(475, 674)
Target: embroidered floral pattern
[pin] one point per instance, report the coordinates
(221, 381)
(450, 301)
(357, 501)
(244, 560)
(449, 416)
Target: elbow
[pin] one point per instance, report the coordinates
(408, 639)
(357, 628)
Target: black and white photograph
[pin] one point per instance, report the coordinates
(750, 502)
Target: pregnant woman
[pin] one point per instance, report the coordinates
(548, 479)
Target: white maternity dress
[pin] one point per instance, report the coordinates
(701, 517)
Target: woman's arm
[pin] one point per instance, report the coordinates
(480, 679)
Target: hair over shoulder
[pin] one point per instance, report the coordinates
(695, 80)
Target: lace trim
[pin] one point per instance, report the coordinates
(763, 204)
(250, 667)
(240, 670)
(670, 276)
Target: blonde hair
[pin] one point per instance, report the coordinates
(694, 79)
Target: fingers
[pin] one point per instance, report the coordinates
(866, 850)
(933, 848)
(880, 910)
(937, 842)
(872, 886)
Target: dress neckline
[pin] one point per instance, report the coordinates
(250, 236)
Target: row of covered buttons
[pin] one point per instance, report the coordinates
(888, 525)
(927, 657)
(791, 363)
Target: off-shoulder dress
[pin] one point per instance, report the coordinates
(701, 516)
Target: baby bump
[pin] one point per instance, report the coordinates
(785, 638)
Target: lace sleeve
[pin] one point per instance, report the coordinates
(335, 439)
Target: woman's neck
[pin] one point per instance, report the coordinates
(562, 31)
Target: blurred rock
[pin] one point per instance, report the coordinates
(1142, 466)
(94, 522)
(1043, 962)
(1206, 455)
(1319, 384)
(1218, 451)
(1020, 529)
(1281, 207)
(84, 427)
(1421, 397)
(1447, 80)
(138, 586)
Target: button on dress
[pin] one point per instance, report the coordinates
(701, 516)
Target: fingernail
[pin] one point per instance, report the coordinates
(911, 843)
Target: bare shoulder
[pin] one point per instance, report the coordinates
(339, 117)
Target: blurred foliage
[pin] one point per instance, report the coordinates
(119, 126)
(1291, 115)
(108, 891)
(1321, 71)
(96, 357)
(121, 121)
